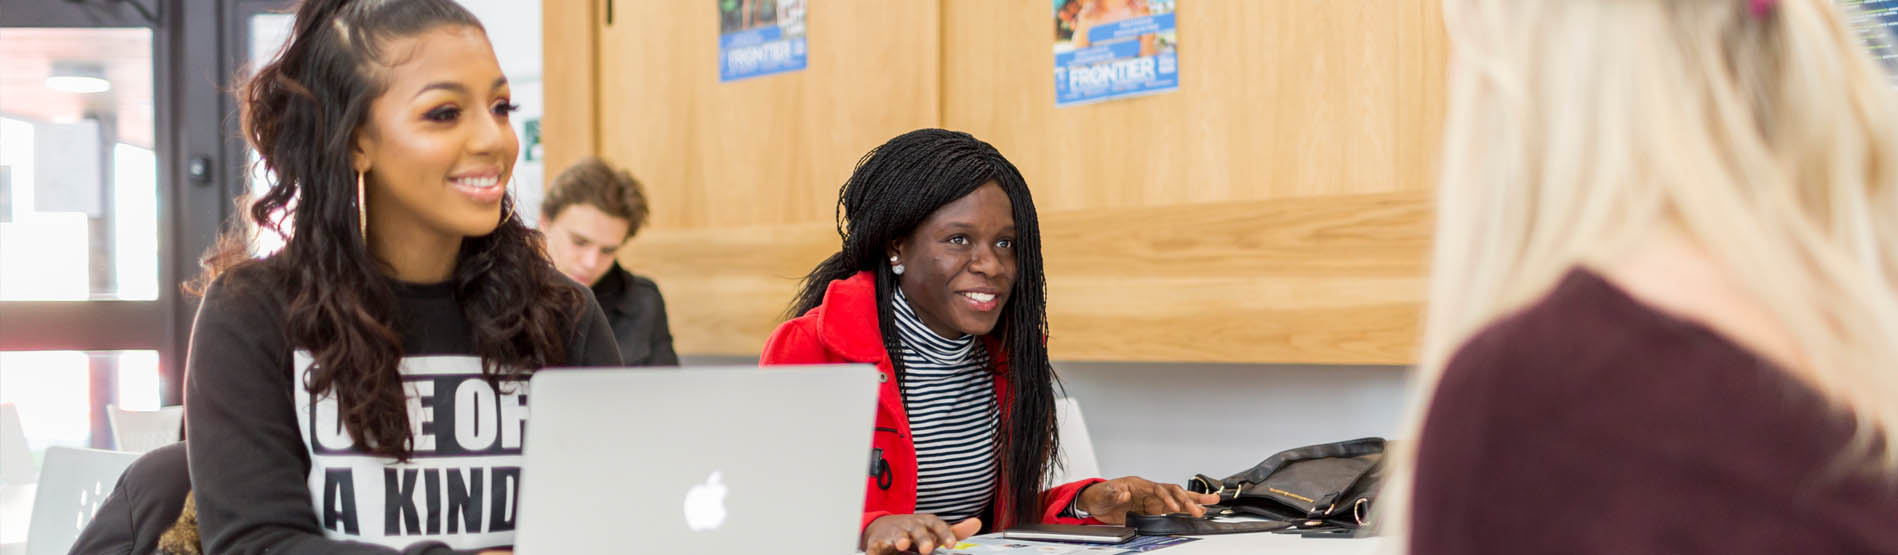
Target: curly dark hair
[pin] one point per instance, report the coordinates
(301, 113)
(894, 188)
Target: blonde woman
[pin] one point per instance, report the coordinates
(1664, 314)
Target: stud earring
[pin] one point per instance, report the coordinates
(895, 267)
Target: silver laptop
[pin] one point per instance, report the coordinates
(701, 460)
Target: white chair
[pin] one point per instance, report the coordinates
(70, 491)
(1077, 450)
(139, 431)
(16, 515)
(16, 459)
(16, 482)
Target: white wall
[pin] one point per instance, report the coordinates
(1167, 422)
(514, 31)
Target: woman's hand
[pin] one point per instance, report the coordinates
(1110, 501)
(922, 533)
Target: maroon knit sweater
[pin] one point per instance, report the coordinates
(1591, 423)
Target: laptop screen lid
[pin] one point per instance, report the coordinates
(700, 460)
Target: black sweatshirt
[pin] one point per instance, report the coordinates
(274, 471)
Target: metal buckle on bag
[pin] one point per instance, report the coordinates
(1207, 487)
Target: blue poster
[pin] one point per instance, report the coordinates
(759, 37)
(1106, 49)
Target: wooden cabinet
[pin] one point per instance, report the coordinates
(1274, 209)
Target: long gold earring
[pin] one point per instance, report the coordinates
(511, 202)
(362, 211)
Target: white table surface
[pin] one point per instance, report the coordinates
(1274, 544)
(16, 511)
(1266, 543)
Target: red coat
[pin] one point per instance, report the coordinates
(844, 330)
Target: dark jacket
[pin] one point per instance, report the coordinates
(638, 316)
(844, 330)
(145, 503)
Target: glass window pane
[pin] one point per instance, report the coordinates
(138, 380)
(78, 177)
(268, 32)
(54, 392)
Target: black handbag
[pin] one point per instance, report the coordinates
(1318, 489)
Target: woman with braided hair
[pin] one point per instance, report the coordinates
(939, 284)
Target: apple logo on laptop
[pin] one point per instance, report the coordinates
(705, 504)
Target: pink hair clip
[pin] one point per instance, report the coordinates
(1762, 7)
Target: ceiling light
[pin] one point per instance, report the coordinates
(78, 78)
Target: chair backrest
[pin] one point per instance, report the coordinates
(140, 431)
(1077, 450)
(75, 483)
(16, 459)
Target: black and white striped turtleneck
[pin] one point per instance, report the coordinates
(950, 397)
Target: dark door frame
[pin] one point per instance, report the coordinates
(196, 47)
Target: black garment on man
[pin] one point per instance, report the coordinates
(638, 315)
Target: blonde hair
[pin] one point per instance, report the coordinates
(1576, 128)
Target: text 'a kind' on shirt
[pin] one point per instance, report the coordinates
(460, 486)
